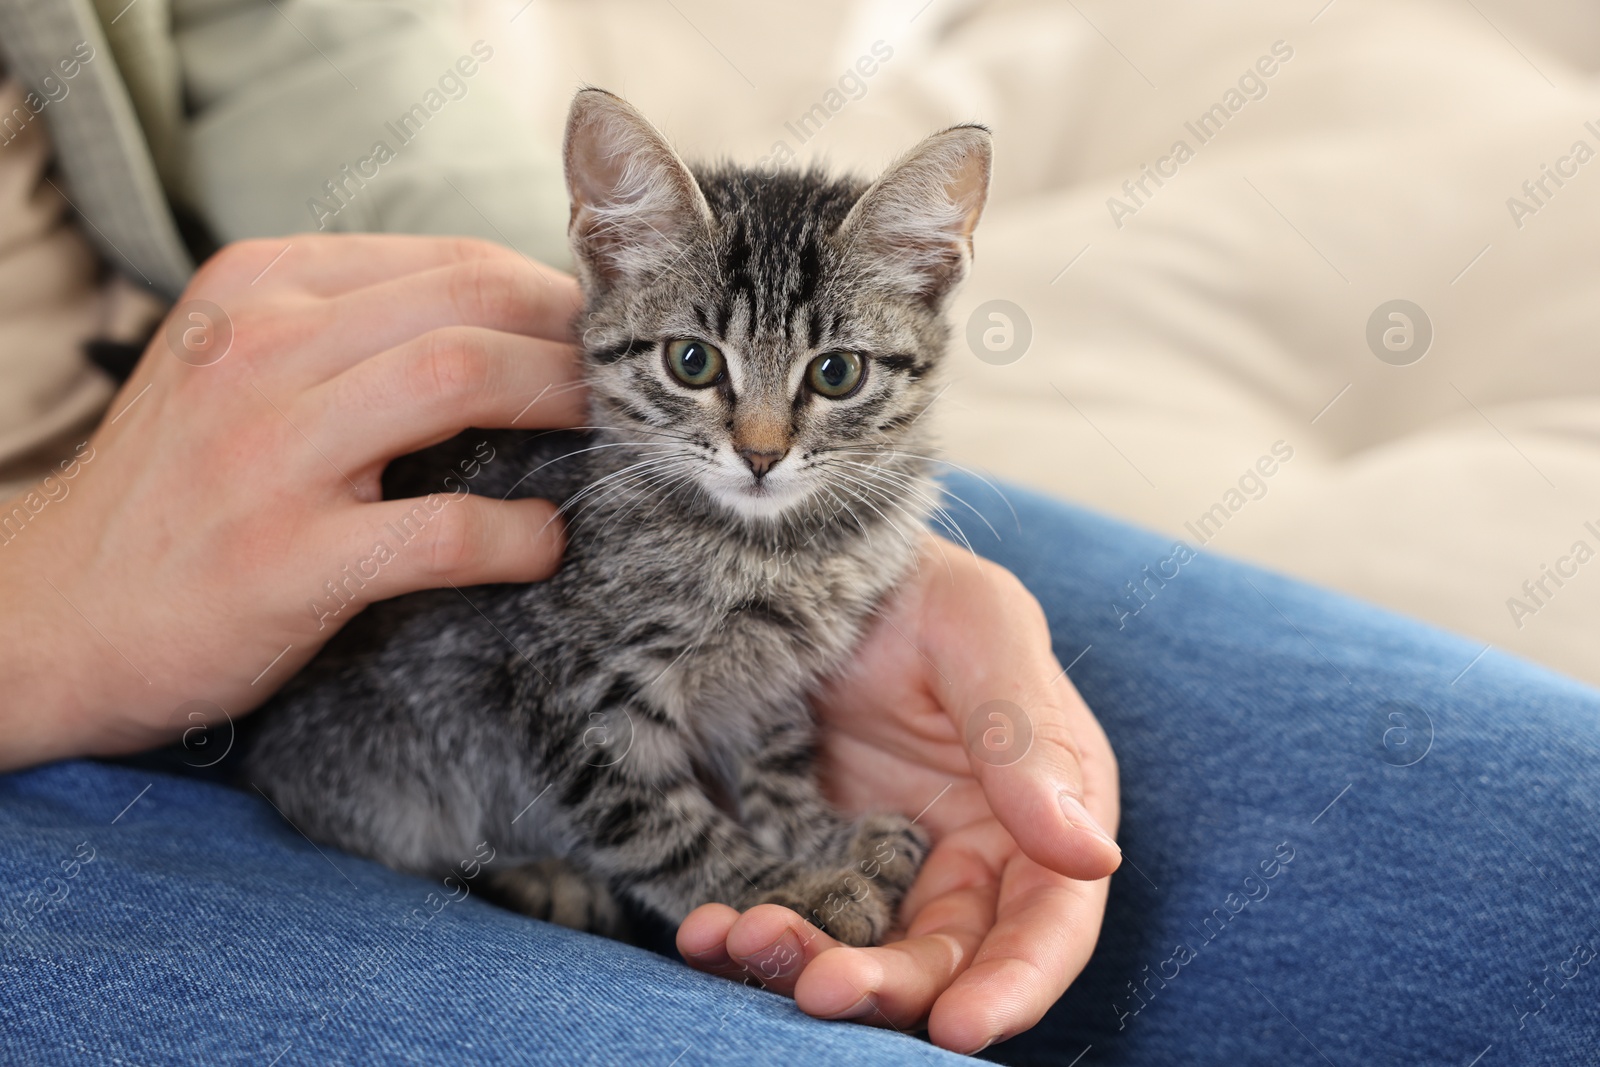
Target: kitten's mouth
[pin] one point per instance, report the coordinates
(756, 498)
(759, 489)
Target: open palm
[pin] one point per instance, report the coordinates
(956, 712)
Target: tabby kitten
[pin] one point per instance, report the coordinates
(759, 350)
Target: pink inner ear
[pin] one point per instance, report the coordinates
(914, 226)
(634, 203)
(971, 190)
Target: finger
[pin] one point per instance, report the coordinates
(513, 295)
(1053, 798)
(952, 904)
(447, 539)
(774, 945)
(703, 940)
(1044, 799)
(780, 951)
(434, 386)
(1045, 931)
(897, 984)
(329, 264)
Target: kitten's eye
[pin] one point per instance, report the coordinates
(835, 374)
(694, 363)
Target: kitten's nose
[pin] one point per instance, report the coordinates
(760, 462)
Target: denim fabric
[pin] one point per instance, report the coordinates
(1349, 839)
(205, 930)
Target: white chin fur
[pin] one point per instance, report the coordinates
(749, 499)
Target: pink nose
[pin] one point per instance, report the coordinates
(760, 462)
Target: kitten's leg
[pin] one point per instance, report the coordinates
(858, 872)
(655, 836)
(556, 891)
(779, 797)
(642, 820)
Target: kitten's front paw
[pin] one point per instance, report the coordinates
(557, 892)
(856, 904)
(842, 903)
(889, 849)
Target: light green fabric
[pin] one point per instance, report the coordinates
(247, 108)
(140, 35)
(283, 95)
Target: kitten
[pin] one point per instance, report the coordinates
(760, 349)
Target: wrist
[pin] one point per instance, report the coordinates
(44, 663)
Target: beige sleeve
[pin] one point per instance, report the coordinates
(54, 296)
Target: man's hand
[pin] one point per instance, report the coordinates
(226, 519)
(1007, 909)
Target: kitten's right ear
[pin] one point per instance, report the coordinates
(634, 204)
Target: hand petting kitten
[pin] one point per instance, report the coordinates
(220, 498)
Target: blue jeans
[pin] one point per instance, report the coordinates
(1349, 839)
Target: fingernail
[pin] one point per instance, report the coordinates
(1079, 817)
(986, 1044)
(865, 1006)
(714, 950)
(777, 960)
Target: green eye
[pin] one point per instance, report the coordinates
(835, 374)
(694, 363)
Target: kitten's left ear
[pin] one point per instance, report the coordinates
(913, 227)
(634, 203)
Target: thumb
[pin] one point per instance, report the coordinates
(1043, 762)
(1041, 786)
